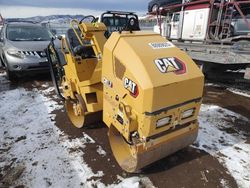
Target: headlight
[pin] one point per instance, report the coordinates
(163, 121)
(16, 53)
(187, 113)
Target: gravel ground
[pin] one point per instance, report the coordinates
(39, 147)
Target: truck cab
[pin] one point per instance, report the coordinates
(174, 24)
(194, 25)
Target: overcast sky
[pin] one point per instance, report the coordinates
(27, 8)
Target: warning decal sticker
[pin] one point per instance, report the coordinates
(161, 45)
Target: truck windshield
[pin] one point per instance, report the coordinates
(28, 33)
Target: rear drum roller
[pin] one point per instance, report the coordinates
(133, 157)
(77, 112)
(124, 153)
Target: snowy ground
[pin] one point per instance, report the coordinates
(35, 146)
(233, 90)
(44, 156)
(219, 138)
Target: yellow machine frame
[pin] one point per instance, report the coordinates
(148, 90)
(82, 85)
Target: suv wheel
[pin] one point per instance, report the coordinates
(1, 63)
(11, 76)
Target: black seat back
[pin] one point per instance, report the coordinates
(72, 39)
(132, 25)
(75, 46)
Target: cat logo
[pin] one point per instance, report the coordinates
(131, 87)
(170, 64)
(107, 82)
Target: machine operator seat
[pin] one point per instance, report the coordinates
(76, 48)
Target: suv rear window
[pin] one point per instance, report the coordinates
(27, 33)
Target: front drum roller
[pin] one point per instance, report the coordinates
(132, 158)
(77, 112)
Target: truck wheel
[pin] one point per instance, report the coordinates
(231, 31)
(154, 8)
(211, 31)
(242, 45)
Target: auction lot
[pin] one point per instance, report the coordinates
(39, 147)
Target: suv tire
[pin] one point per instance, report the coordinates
(11, 76)
(1, 63)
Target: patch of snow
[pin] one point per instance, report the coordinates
(48, 90)
(132, 182)
(2, 73)
(88, 138)
(212, 84)
(46, 85)
(100, 151)
(230, 148)
(128, 182)
(239, 92)
(224, 183)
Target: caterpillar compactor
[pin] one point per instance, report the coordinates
(147, 90)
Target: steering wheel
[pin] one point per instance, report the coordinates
(91, 17)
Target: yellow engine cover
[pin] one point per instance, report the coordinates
(145, 64)
(152, 96)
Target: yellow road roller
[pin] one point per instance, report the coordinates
(147, 91)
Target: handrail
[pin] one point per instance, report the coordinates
(75, 22)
